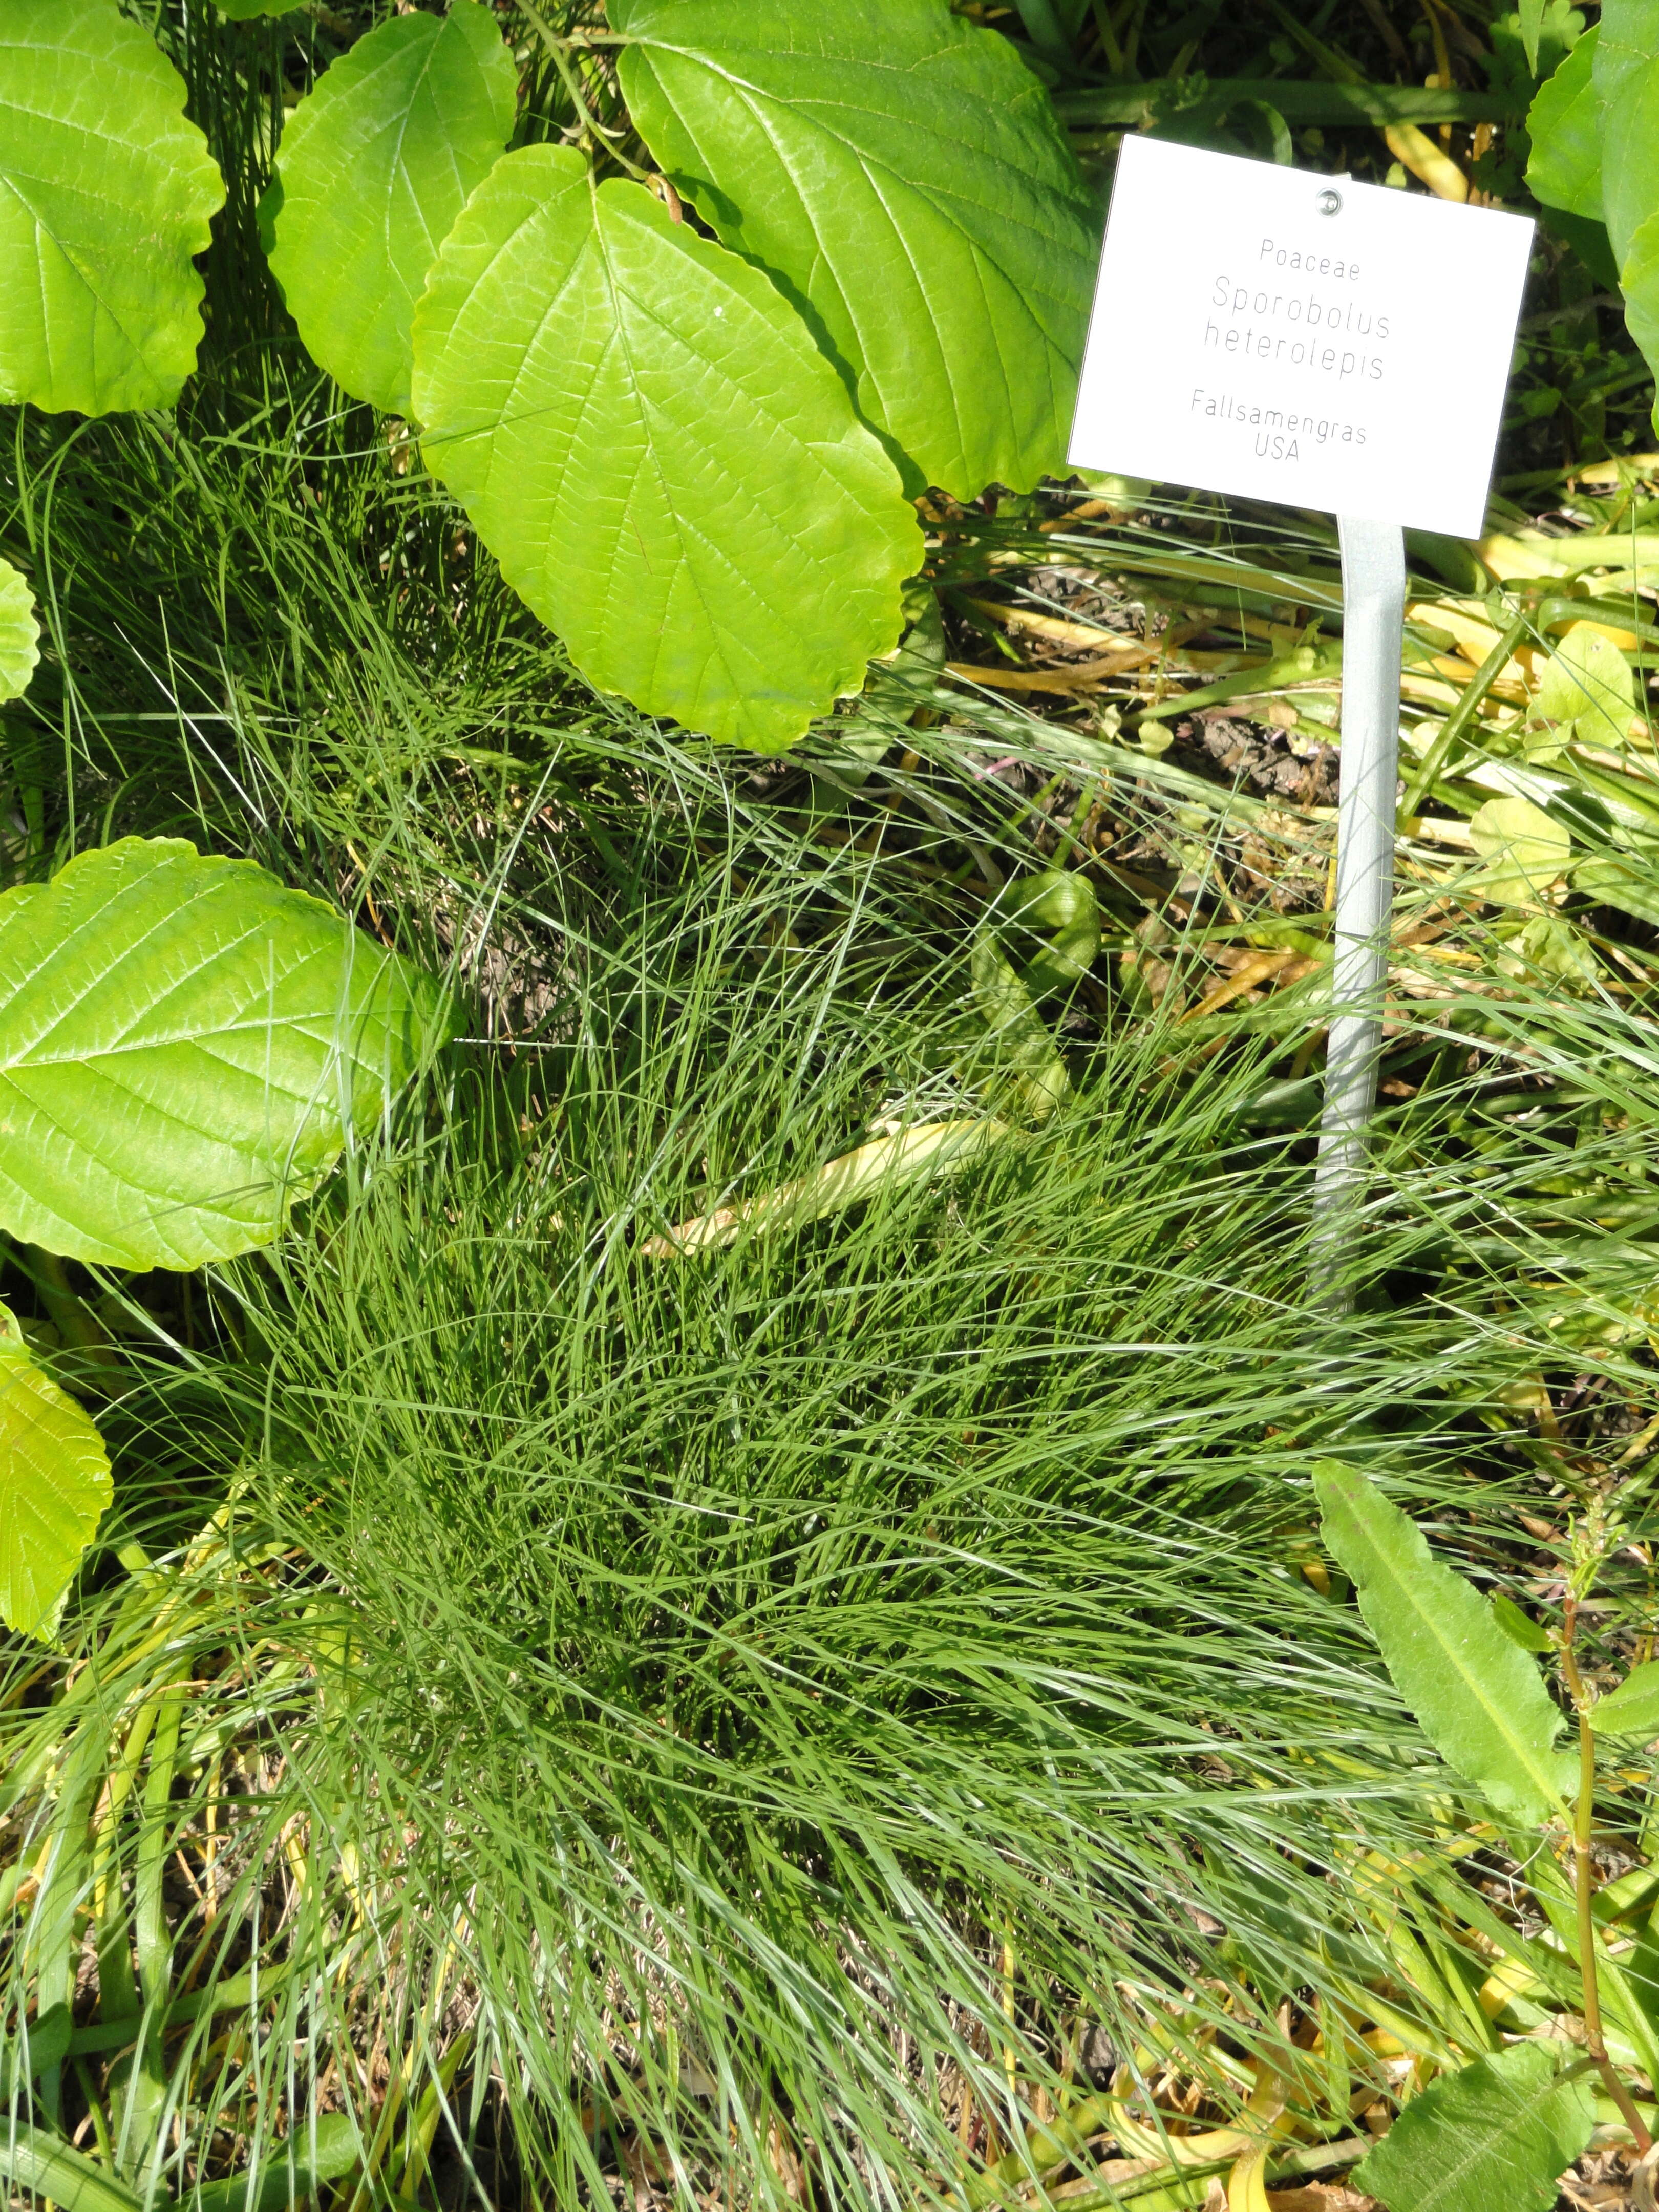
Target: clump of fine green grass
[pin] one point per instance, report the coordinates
(735, 1718)
(745, 1716)
(548, 1719)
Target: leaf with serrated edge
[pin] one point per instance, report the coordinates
(1626, 75)
(20, 633)
(667, 470)
(1638, 275)
(182, 1042)
(1478, 1697)
(374, 165)
(1565, 125)
(54, 1487)
(105, 195)
(904, 177)
(1495, 2136)
(1633, 1708)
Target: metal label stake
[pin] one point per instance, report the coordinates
(1373, 630)
(1298, 359)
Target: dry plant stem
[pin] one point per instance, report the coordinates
(1583, 1883)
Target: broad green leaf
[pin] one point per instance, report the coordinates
(105, 195)
(1565, 125)
(1478, 1697)
(903, 175)
(54, 1486)
(1525, 850)
(1625, 75)
(666, 468)
(1633, 1708)
(329, 2148)
(244, 11)
(1588, 681)
(182, 1043)
(20, 633)
(1495, 2136)
(1063, 902)
(374, 165)
(1639, 278)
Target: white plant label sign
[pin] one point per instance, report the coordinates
(1287, 336)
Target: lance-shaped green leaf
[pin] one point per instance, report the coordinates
(666, 468)
(903, 175)
(1626, 75)
(1633, 1708)
(1565, 125)
(1518, 1626)
(54, 1486)
(1478, 1698)
(182, 1042)
(374, 165)
(106, 192)
(44, 2165)
(20, 633)
(1495, 2136)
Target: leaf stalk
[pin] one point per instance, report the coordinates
(1583, 1882)
(562, 49)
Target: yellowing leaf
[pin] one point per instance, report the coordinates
(1525, 850)
(54, 1486)
(1420, 154)
(1247, 2185)
(909, 1156)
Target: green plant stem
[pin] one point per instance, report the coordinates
(561, 50)
(1461, 716)
(1583, 1883)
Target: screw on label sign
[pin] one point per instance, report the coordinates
(1300, 338)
